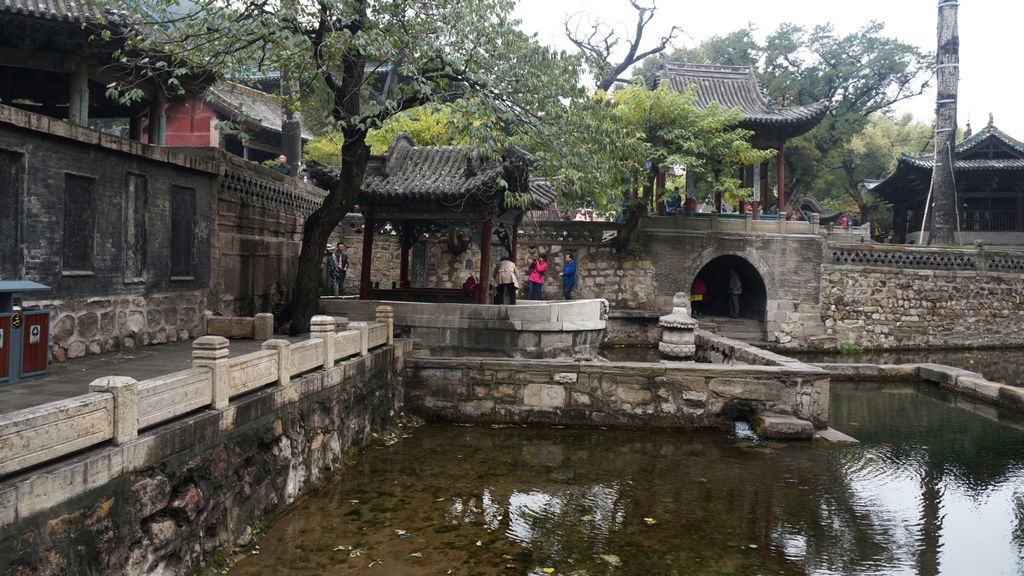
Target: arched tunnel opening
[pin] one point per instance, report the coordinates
(715, 274)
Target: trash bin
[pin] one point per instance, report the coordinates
(24, 334)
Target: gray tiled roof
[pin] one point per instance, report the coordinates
(448, 174)
(972, 164)
(247, 104)
(737, 87)
(75, 11)
(426, 172)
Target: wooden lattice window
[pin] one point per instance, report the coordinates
(989, 215)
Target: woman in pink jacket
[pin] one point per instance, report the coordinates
(537, 269)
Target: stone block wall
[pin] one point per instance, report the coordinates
(178, 496)
(625, 394)
(94, 325)
(883, 307)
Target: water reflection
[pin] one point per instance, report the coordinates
(936, 487)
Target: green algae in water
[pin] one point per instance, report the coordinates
(476, 500)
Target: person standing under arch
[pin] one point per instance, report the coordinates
(735, 290)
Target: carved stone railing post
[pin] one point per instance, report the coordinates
(263, 326)
(364, 336)
(386, 316)
(322, 327)
(284, 359)
(126, 404)
(815, 223)
(212, 352)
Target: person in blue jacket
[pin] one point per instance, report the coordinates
(568, 275)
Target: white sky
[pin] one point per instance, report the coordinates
(991, 79)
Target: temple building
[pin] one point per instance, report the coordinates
(241, 120)
(738, 87)
(989, 176)
(56, 59)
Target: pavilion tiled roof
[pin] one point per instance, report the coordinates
(246, 104)
(72, 11)
(737, 87)
(409, 172)
(974, 155)
(446, 174)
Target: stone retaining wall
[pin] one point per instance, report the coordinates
(676, 395)
(179, 495)
(102, 324)
(881, 307)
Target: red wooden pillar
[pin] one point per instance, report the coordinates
(403, 273)
(365, 287)
(484, 287)
(781, 158)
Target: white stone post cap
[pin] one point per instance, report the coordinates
(210, 347)
(108, 383)
(321, 323)
(275, 344)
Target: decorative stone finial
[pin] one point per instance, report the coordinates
(677, 339)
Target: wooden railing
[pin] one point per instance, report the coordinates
(118, 407)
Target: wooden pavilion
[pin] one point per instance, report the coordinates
(738, 87)
(55, 60)
(989, 175)
(424, 189)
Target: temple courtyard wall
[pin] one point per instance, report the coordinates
(140, 242)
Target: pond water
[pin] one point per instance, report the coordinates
(1004, 365)
(935, 487)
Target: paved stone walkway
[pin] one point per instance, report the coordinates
(72, 378)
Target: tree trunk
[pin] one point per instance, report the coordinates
(947, 73)
(343, 188)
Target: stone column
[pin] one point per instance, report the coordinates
(386, 316)
(126, 404)
(212, 352)
(365, 286)
(677, 339)
(78, 97)
(486, 230)
(322, 327)
(284, 359)
(157, 120)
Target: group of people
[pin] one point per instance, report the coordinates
(506, 279)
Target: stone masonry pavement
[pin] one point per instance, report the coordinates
(72, 378)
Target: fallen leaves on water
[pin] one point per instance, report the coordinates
(374, 562)
(343, 547)
(355, 553)
(400, 532)
(587, 518)
(612, 559)
(650, 521)
(549, 570)
(416, 555)
(479, 543)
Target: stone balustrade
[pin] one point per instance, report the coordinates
(118, 407)
(258, 327)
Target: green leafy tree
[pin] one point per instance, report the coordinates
(872, 154)
(365, 61)
(607, 145)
